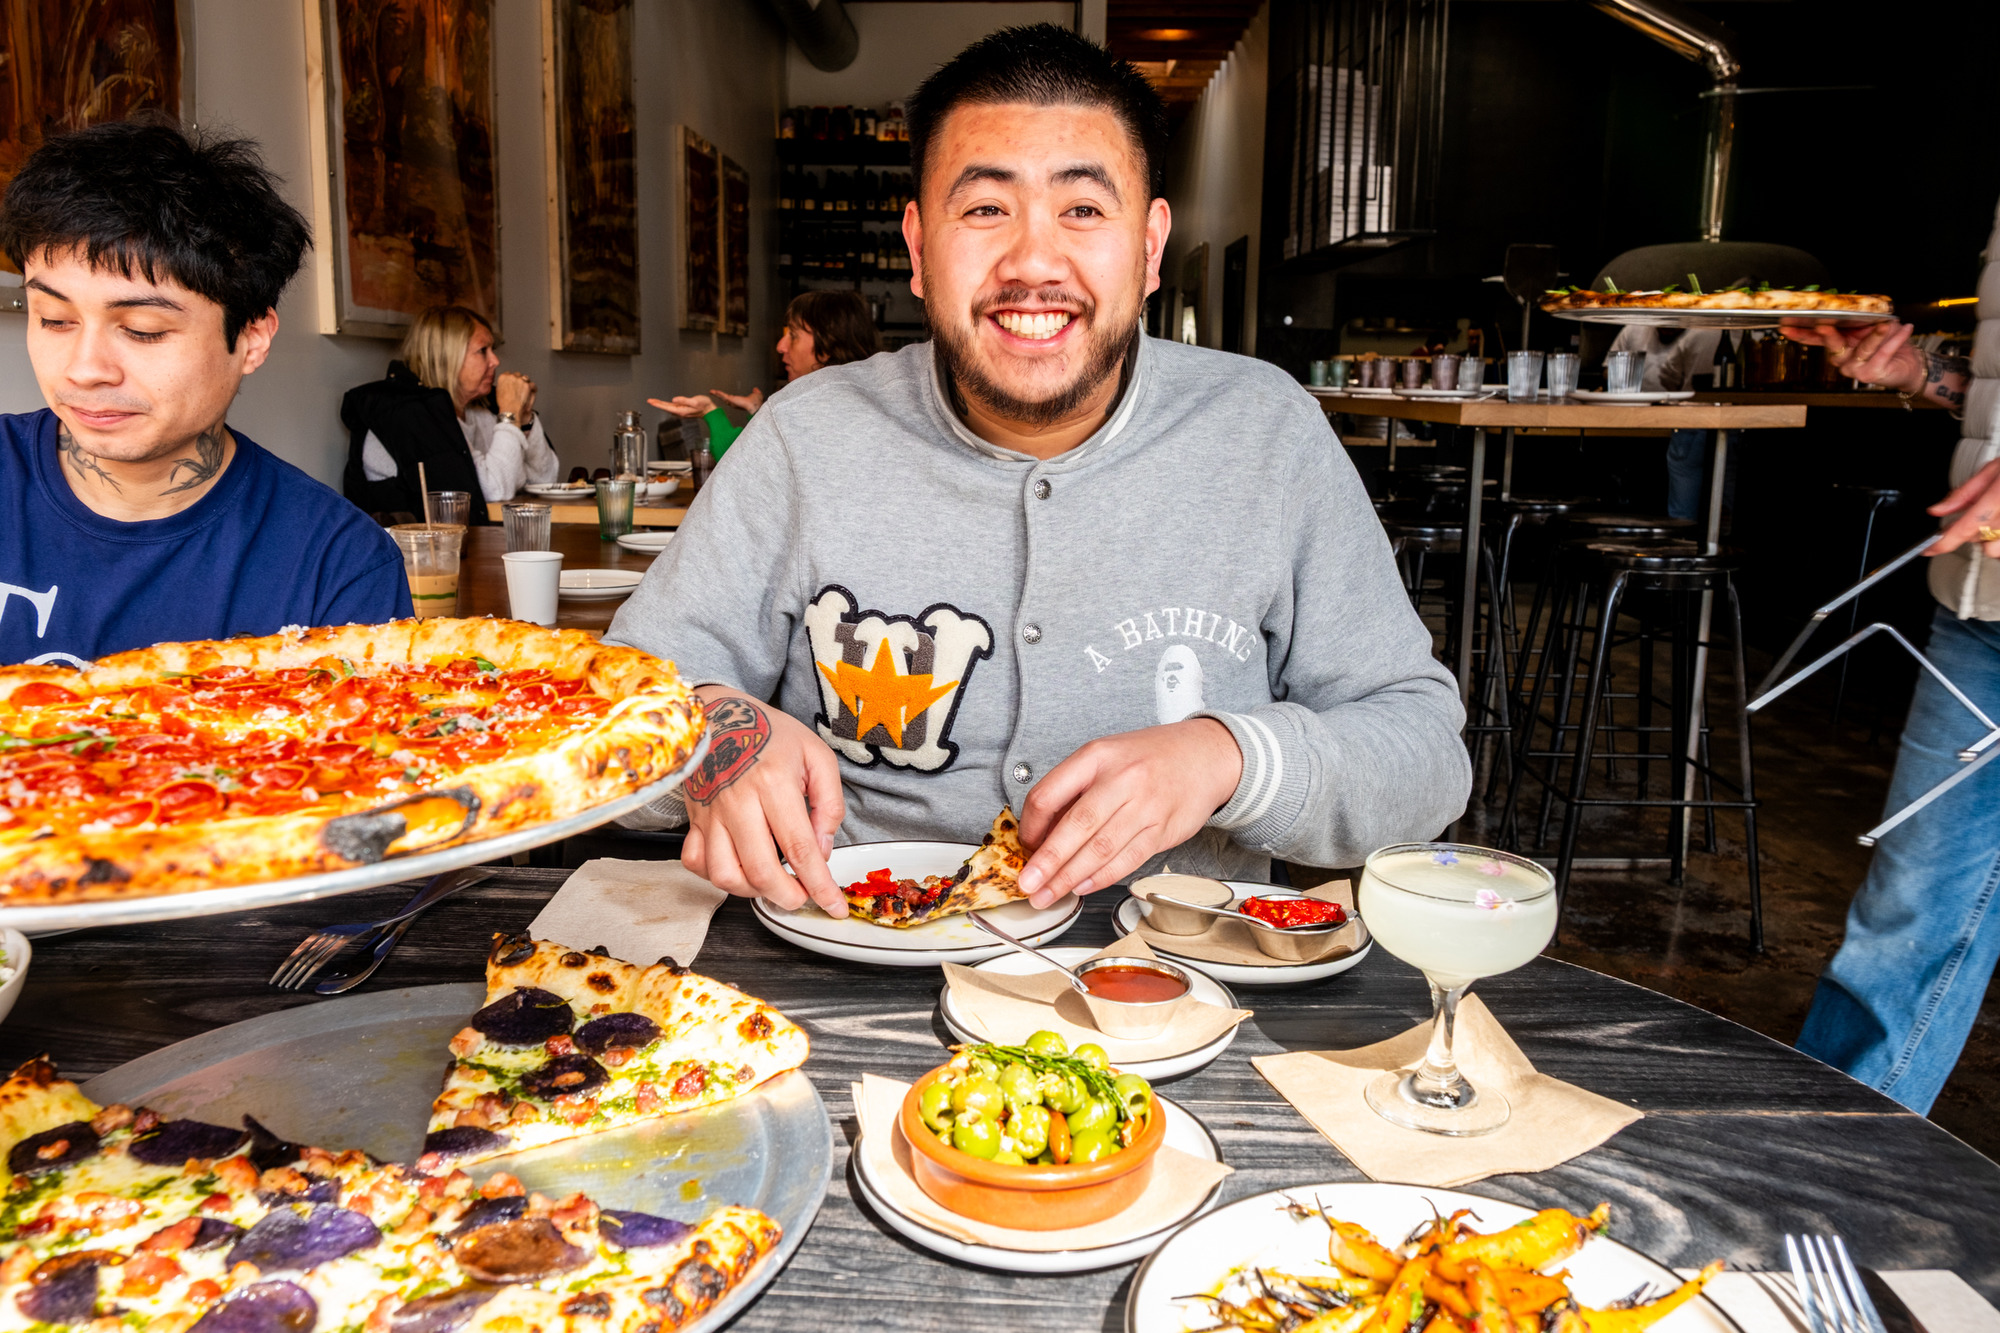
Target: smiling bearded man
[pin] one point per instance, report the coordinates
(1133, 588)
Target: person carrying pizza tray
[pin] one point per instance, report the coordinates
(1029, 562)
(132, 513)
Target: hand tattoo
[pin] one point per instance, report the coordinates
(84, 464)
(208, 447)
(737, 733)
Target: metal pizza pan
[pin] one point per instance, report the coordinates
(361, 1071)
(1720, 319)
(299, 888)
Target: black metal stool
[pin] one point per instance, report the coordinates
(1515, 517)
(1680, 577)
(1876, 498)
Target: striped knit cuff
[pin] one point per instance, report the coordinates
(1276, 767)
(669, 812)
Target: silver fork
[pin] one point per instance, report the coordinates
(322, 946)
(1829, 1288)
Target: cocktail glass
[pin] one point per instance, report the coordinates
(1456, 913)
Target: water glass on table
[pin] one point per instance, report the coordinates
(1412, 368)
(430, 561)
(534, 579)
(1471, 372)
(1316, 374)
(527, 525)
(1456, 913)
(1340, 372)
(1444, 371)
(1625, 372)
(451, 508)
(1564, 367)
(1524, 376)
(614, 508)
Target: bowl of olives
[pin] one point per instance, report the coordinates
(1036, 1137)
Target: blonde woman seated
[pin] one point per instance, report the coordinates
(821, 329)
(446, 405)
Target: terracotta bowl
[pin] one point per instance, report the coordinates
(1028, 1198)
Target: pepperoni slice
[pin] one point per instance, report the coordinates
(128, 813)
(274, 777)
(188, 799)
(540, 695)
(41, 694)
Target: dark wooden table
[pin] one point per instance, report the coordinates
(1744, 1139)
(482, 578)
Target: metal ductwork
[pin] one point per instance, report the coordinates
(823, 31)
(1697, 37)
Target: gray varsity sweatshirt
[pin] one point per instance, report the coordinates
(955, 619)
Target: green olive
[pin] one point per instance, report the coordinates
(1134, 1094)
(1010, 1157)
(1047, 1043)
(1030, 1127)
(1091, 1145)
(984, 1066)
(976, 1135)
(1064, 1092)
(944, 1136)
(934, 1104)
(980, 1096)
(1045, 1159)
(1019, 1086)
(1093, 1055)
(1093, 1114)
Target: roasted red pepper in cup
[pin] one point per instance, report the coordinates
(1292, 913)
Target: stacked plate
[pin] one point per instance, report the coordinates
(598, 585)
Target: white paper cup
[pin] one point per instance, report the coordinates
(532, 579)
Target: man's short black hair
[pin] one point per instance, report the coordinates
(1042, 64)
(141, 194)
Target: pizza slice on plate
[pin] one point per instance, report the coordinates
(990, 877)
(571, 1043)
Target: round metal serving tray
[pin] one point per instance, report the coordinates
(390, 870)
(360, 1072)
(1720, 319)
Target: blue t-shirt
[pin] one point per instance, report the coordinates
(267, 547)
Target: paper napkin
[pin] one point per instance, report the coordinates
(642, 911)
(1768, 1302)
(1180, 1182)
(1552, 1122)
(1232, 942)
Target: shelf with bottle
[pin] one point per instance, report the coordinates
(844, 134)
(858, 195)
(852, 256)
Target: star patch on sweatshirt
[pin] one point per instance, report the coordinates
(890, 685)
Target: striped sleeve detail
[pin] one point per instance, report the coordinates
(1271, 795)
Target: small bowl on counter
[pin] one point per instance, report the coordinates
(1196, 899)
(18, 952)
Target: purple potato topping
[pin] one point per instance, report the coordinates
(564, 1076)
(65, 1145)
(176, 1141)
(481, 1212)
(267, 1307)
(63, 1290)
(446, 1145)
(623, 1230)
(525, 1249)
(601, 1034)
(441, 1311)
(298, 1236)
(527, 1016)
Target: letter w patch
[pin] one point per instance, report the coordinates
(890, 685)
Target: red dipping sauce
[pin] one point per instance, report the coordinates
(1133, 985)
(1292, 913)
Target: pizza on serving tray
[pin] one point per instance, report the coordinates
(572, 1043)
(127, 1220)
(1761, 297)
(191, 766)
(990, 877)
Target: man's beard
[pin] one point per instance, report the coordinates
(1103, 354)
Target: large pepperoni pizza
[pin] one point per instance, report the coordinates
(191, 766)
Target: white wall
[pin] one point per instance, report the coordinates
(901, 43)
(1215, 175)
(716, 65)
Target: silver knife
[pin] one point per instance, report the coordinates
(1897, 1317)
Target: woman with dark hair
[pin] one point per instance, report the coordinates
(821, 329)
(446, 405)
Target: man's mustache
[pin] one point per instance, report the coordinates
(1045, 297)
(113, 404)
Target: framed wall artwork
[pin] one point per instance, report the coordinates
(66, 64)
(735, 249)
(701, 228)
(592, 173)
(405, 189)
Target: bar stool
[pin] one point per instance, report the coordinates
(1876, 498)
(1517, 517)
(1680, 577)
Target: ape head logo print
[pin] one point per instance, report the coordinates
(890, 685)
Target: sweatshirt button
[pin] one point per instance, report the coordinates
(1031, 633)
(1022, 773)
(1042, 488)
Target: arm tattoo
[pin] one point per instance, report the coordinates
(737, 732)
(206, 462)
(82, 462)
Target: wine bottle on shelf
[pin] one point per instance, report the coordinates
(788, 190)
(864, 123)
(788, 125)
(818, 121)
(808, 194)
(1724, 367)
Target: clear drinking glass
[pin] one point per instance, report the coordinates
(1444, 371)
(614, 508)
(1456, 913)
(1412, 368)
(1339, 372)
(1316, 374)
(1524, 376)
(1563, 370)
(430, 560)
(1471, 372)
(1625, 372)
(452, 508)
(527, 526)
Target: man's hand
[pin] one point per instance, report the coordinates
(769, 786)
(515, 393)
(1872, 353)
(1108, 808)
(1977, 504)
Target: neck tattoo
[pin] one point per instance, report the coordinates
(84, 465)
(201, 469)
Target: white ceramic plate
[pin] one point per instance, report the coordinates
(1257, 1232)
(1183, 1132)
(19, 954)
(556, 491)
(1206, 989)
(1689, 318)
(1126, 920)
(650, 542)
(1631, 399)
(653, 492)
(1439, 393)
(953, 940)
(1373, 391)
(680, 465)
(596, 585)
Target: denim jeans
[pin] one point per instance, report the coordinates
(1687, 471)
(1894, 1006)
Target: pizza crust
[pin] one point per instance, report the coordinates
(990, 877)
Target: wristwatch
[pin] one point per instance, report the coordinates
(507, 419)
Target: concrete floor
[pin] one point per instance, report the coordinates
(1819, 786)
